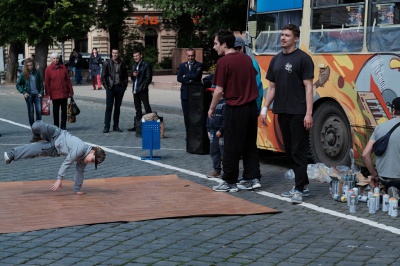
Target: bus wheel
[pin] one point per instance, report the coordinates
(330, 137)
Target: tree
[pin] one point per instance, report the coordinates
(111, 15)
(42, 22)
(197, 21)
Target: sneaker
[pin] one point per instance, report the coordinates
(297, 197)
(289, 194)
(241, 180)
(8, 157)
(393, 192)
(225, 187)
(250, 184)
(214, 174)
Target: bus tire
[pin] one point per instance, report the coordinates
(330, 136)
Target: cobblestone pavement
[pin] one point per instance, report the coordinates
(317, 232)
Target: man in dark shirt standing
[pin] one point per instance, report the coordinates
(115, 80)
(291, 73)
(190, 71)
(235, 77)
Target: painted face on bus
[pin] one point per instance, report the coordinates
(288, 41)
(220, 49)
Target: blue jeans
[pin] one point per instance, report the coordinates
(216, 150)
(33, 101)
(78, 75)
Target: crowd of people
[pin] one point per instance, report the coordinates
(232, 122)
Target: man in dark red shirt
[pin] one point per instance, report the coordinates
(235, 77)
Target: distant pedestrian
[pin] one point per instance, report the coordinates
(215, 130)
(57, 84)
(189, 71)
(142, 76)
(235, 77)
(57, 143)
(30, 85)
(76, 62)
(114, 77)
(95, 63)
(291, 74)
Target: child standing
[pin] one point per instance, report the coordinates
(215, 129)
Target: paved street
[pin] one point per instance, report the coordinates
(318, 232)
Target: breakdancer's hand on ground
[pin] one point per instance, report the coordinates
(56, 185)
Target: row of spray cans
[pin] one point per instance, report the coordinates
(389, 205)
(352, 197)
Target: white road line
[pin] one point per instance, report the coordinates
(390, 229)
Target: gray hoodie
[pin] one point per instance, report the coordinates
(75, 150)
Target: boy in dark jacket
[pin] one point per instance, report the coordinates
(215, 129)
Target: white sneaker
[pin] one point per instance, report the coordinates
(297, 197)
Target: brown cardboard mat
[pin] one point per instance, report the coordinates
(29, 206)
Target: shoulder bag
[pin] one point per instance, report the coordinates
(379, 147)
(46, 105)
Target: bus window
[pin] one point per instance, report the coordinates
(384, 31)
(337, 27)
(269, 26)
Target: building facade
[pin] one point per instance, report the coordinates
(149, 25)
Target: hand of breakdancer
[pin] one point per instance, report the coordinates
(56, 185)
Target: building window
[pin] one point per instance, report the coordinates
(150, 38)
(81, 45)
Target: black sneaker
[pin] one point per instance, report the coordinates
(117, 129)
(106, 130)
(8, 157)
(132, 129)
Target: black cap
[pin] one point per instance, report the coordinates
(395, 103)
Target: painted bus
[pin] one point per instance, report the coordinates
(355, 47)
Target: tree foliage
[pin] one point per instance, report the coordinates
(197, 21)
(111, 15)
(42, 22)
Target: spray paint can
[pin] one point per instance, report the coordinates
(385, 203)
(372, 205)
(362, 198)
(337, 197)
(345, 188)
(355, 189)
(348, 195)
(370, 194)
(394, 211)
(377, 197)
(352, 203)
(390, 205)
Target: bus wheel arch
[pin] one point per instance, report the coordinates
(330, 136)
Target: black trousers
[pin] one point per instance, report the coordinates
(114, 96)
(240, 136)
(296, 142)
(139, 98)
(63, 103)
